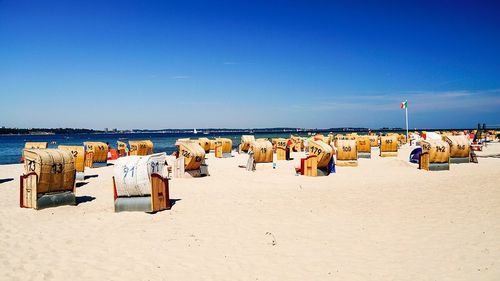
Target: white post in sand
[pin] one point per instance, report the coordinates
(406, 111)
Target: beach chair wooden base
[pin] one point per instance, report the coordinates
(80, 176)
(320, 172)
(180, 172)
(424, 164)
(459, 160)
(133, 204)
(204, 169)
(347, 163)
(56, 200)
(388, 154)
(195, 173)
(439, 166)
(192, 174)
(158, 200)
(99, 164)
(29, 197)
(367, 155)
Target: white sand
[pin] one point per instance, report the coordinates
(383, 220)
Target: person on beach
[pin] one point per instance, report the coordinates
(289, 144)
(109, 150)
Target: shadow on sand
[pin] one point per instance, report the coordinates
(173, 201)
(6, 180)
(80, 184)
(90, 176)
(84, 199)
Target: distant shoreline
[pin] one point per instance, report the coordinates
(201, 132)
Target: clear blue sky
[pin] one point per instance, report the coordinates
(186, 64)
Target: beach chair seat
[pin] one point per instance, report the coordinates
(347, 154)
(261, 151)
(96, 154)
(435, 155)
(281, 149)
(194, 158)
(140, 184)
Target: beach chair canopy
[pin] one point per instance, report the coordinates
(55, 169)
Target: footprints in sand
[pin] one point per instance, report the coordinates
(272, 238)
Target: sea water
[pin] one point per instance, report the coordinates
(11, 146)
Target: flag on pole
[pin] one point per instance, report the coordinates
(404, 104)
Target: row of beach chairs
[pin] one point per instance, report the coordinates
(140, 182)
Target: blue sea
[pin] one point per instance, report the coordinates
(11, 146)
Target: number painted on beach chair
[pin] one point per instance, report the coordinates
(31, 165)
(440, 148)
(155, 167)
(56, 168)
(346, 148)
(185, 153)
(127, 170)
(316, 151)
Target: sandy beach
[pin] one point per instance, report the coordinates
(382, 220)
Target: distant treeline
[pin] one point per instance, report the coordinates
(58, 131)
(43, 131)
(254, 130)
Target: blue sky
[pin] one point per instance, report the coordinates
(185, 64)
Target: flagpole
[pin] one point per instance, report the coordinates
(406, 111)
